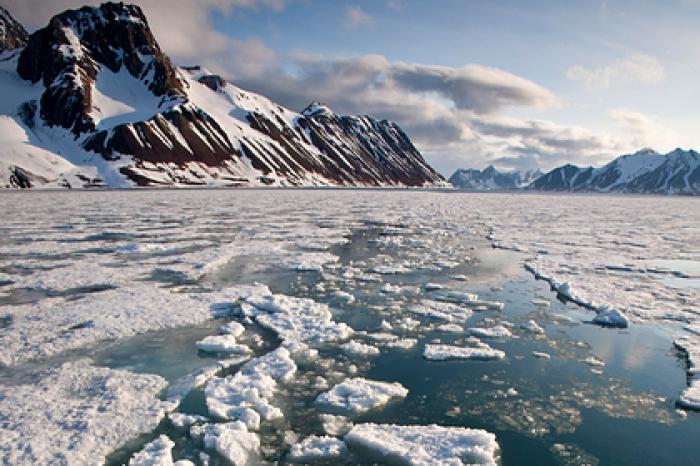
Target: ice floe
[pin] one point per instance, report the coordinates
(232, 441)
(315, 448)
(157, 453)
(222, 344)
(77, 414)
(355, 348)
(424, 445)
(497, 332)
(440, 352)
(355, 396)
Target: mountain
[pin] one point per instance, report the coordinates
(12, 33)
(92, 100)
(646, 171)
(490, 179)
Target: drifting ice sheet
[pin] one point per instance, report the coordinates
(356, 396)
(424, 445)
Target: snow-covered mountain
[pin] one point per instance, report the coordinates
(490, 179)
(646, 171)
(91, 100)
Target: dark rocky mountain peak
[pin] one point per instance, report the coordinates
(68, 54)
(12, 33)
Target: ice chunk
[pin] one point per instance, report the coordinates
(315, 448)
(185, 421)
(157, 453)
(247, 395)
(593, 361)
(222, 344)
(532, 327)
(424, 445)
(404, 343)
(358, 395)
(611, 318)
(690, 398)
(441, 352)
(298, 319)
(451, 328)
(441, 310)
(497, 331)
(541, 355)
(355, 348)
(232, 328)
(335, 425)
(232, 441)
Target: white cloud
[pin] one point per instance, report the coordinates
(644, 130)
(356, 17)
(635, 68)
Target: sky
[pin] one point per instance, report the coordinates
(520, 85)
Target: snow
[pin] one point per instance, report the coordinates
(77, 414)
(440, 352)
(425, 445)
(119, 98)
(315, 448)
(358, 395)
(222, 344)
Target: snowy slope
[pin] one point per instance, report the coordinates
(94, 91)
(645, 171)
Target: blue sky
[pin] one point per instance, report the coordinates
(519, 84)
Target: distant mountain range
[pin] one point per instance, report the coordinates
(490, 179)
(91, 100)
(644, 172)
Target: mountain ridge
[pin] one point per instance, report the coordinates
(490, 179)
(92, 100)
(643, 172)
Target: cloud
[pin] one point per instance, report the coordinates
(644, 130)
(182, 27)
(635, 68)
(356, 17)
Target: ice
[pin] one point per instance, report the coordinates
(157, 453)
(424, 445)
(222, 344)
(358, 395)
(335, 425)
(232, 441)
(450, 328)
(533, 327)
(541, 355)
(440, 352)
(310, 261)
(497, 331)
(298, 319)
(185, 421)
(77, 414)
(593, 361)
(247, 395)
(56, 325)
(690, 398)
(441, 310)
(403, 343)
(315, 448)
(355, 348)
(234, 329)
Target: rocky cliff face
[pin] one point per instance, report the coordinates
(106, 83)
(12, 33)
(646, 171)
